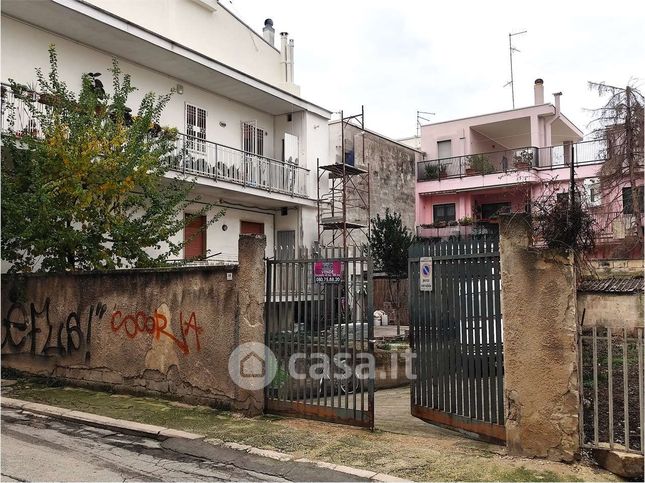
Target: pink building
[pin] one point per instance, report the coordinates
(480, 166)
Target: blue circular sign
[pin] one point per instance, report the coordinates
(426, 270)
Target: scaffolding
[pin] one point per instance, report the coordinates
(344, 210)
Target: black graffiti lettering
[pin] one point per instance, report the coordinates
(22, 325)
(34, 326)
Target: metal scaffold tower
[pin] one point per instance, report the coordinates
(344, 210)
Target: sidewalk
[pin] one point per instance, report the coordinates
(404, 447)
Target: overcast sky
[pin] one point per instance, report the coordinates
(452, 58)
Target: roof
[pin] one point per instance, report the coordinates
(94, 27)
(612, 285)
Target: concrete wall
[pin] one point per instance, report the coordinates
(163, 332)
(210, 32)
(615, 310)
(540, 347)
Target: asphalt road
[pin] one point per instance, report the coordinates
(36, 448)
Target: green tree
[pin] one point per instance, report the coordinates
(84, 184)
(389, 242)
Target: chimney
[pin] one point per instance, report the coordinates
(290, 62)
(284, 53)
(539, 92)
(556, 102)
(268, 32)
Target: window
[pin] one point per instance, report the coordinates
(195, 128)
(251, 228)
(628, 204)
(592, 191)
(564, 196)
(444, 149)
(491, 210)
(444, 212)
(252, 138)
(195, 238)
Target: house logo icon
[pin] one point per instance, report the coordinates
(252, 366)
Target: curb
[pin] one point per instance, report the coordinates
(162, 433)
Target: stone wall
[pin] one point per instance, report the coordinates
(392, 168)
(540, 347)
(162, 332)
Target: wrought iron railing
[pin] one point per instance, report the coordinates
(191, 154)
(609, 226)
(586, 152)
(219, 162)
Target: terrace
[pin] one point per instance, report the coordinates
(512, 160)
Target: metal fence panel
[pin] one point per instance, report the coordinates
(321, 334)
(611, 388)
(456, 334)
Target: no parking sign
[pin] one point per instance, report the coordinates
(425, 274)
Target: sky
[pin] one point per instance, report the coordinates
(452, 58)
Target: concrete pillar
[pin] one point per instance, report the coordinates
(540, 346)
(250, 317)
(536, 139)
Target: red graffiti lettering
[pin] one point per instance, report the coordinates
(156, 325)
(191, 325)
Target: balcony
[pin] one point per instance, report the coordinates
(456, 231)
(512, 160)
(614, 226)
(191, 155)
(224, 163)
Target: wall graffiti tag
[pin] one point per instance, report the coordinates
(27, 328)
(157, 325)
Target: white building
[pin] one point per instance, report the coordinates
(253, 140)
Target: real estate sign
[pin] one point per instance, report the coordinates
(425, 274)
(328, 271)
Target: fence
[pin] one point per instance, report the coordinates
(612, 412)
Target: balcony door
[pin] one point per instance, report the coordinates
(255, 167)
(195, 128)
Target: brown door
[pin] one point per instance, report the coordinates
(251, 228)
(195, 236)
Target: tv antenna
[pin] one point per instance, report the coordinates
(512, 49)
(422, 118)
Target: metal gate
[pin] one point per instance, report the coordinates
(320, 329)
(456, 334)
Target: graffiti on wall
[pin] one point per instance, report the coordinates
(157, 326)
(28, 328)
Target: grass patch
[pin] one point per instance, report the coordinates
(413, 457)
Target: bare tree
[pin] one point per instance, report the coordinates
(619, 124)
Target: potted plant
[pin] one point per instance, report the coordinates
(523, 159)
(435, 171)
(440, 224)
(453, 223)
(478, 164)
(465, 221)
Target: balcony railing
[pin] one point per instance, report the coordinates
(614, 226)
(191, 155)
(455, 231)
(511, 160)
(218, 162)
